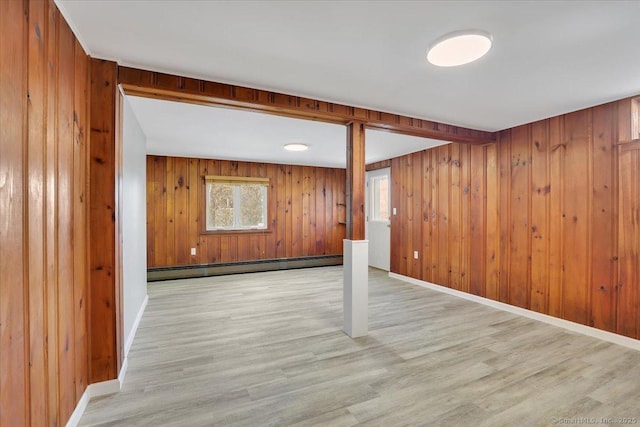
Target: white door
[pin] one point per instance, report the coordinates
(378, 225)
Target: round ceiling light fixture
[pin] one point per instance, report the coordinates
(459, 48)
(296, 147)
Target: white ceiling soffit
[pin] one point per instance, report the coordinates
(190, 130)
(548, 57)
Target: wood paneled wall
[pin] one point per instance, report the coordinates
(304, 210)
(44, 105)
(532, 220)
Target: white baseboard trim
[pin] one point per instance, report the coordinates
(94, 390)
(122, 373)
(134, 328)
(566, 324)
(104, 388)
(74, 420)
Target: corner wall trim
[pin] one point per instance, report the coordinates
(134, 328)
(74, 420)
(104, 388)
(565, 324)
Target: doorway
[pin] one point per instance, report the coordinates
(378, 224)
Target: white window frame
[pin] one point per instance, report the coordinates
(236, 182)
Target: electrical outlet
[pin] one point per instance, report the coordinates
(415, 254)
(193, 251)
(395, 212)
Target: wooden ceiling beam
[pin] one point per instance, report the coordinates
(170, 87)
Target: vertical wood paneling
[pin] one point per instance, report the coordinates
(408, 232)
(398, 198)
(465, 221)
(603, 249)
(44, 354)
(306, 207)
(538, 219)
(268, 242)
(396, 219)
(102, 325)
(320, 194)
(455, 202)
(334, 186)
(443, 189)
(288, 236)
(540, 189)
(159, 208)
(199, 190)
(435, 212)
(282, 210)
(519, 230)
(416, 207)
(193, 214)
(504, 159)
(151, 191)
(301, 207)
(575, 216)
(213, 244)
(51, 284)
(65, 221)
(37, 105)
(426, 215)
(169, 216)
(492, 212)
(296, 211)
(14, 388)
(478, 231)
(556, 248)
(181, 211)
(628, 318)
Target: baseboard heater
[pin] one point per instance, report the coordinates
(203, 270)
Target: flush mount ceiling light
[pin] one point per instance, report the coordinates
(459, 48)
(296, 147)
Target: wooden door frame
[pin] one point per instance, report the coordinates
(109, 82)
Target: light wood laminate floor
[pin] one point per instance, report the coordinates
(267, 349)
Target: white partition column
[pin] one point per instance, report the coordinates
(356, 288)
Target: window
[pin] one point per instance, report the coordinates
(235, 203)
(380, 198)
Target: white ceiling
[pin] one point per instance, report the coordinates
(190, 130)
(549, 57)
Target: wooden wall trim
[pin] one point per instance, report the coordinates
(355, 181)
(378, 165)
(627, 146)
(165, 86)
(103, 271)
